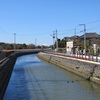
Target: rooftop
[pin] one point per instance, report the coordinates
(90, 35)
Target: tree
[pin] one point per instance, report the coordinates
(61, 43)
(88, 43)
(24, 46)
(31, 46)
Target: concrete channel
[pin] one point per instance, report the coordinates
(6, 68)
(87, 69)
(35, 79)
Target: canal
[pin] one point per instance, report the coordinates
(33, 79)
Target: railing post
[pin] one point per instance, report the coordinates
(96, 57)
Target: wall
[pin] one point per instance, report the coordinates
(87, 69)
(6, 68)
(2, 55)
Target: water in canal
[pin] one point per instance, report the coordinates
(33, 79)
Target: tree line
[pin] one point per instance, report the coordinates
(10, 46)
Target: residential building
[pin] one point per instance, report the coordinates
(92, 43)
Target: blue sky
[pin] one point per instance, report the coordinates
(37, 19)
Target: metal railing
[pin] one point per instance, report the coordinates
(95, 58)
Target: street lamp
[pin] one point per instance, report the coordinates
(84, 37)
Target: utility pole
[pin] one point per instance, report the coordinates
(84, 37)
(75, 32)
(14, 41)
(53, 39)
(35, 42)
(74, 35)
(56, 40)
(55, 35)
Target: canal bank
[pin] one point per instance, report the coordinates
(6, 68)
(35, 79)
(87, 69)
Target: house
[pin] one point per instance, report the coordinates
(92, 42)
(66, 38)
(90, 36)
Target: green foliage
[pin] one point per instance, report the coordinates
(8, 46)
(88, 43)
(61, 43)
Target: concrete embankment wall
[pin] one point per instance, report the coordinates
(2, 55)
(5, 72)
(87, 69)
(6, 68)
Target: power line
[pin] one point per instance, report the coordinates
(4, 31)
(93, 27)
(78, 25)
(44, 33)
(93, 21)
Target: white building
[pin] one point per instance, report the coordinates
(69, 47)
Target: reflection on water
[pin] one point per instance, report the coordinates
(33, 79)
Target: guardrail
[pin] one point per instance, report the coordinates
(86, 57)
(78, 56)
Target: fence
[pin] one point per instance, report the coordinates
(89, 57)
(95, 58)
